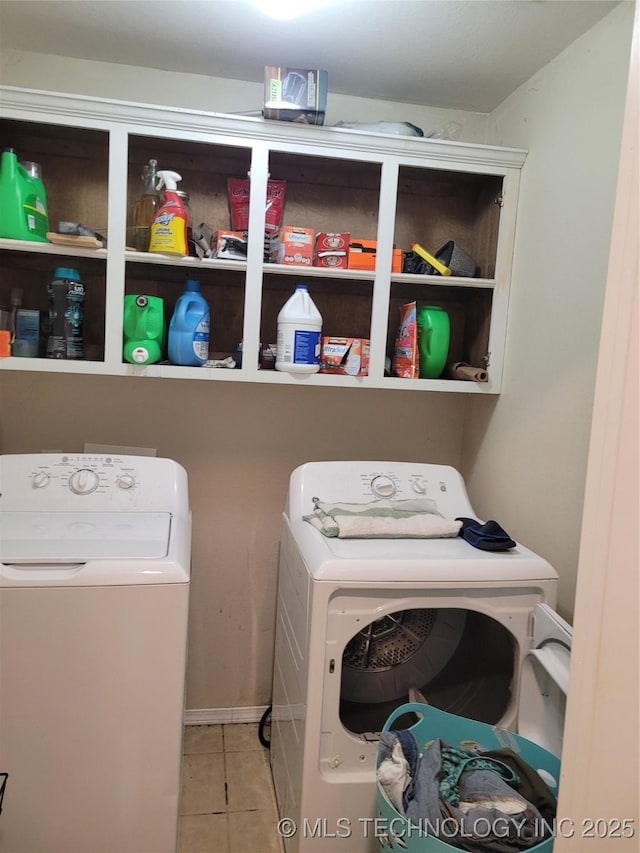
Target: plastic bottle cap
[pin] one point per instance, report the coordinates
(140, 355)
(192, 285)
(67, 272)
(301, 287)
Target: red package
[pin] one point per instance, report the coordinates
(406, 359)
(239, 191)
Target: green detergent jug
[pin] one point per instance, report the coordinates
(23, 201)
(433, 340)
(144, 329)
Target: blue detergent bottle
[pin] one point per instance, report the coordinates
(189, 328)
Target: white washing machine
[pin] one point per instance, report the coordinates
(361, 621)
(94, 588)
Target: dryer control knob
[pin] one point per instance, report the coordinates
(126, 481)
(383, 486)
(83, 482)
(419, 486)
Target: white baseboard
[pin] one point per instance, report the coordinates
(217, 716)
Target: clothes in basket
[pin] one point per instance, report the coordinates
(449, 783)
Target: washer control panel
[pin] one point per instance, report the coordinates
(82, 475)
(91, 482)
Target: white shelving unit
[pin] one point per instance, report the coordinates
(392, 189)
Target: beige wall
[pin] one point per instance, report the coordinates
(239, 444)
(192, 91)
(525, 455)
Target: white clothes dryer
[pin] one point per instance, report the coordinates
(361, 621)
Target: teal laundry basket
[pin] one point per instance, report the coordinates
(395, 832)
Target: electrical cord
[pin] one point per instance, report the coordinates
(263, 722)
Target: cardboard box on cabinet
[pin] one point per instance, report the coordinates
(295, 94)
(345, 356)
(292, 245)
(362, 255)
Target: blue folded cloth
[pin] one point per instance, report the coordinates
(487, 537)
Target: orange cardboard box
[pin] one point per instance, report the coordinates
(293, 246)
(345, 356)
(362, 255)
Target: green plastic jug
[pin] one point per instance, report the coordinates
(433, 340)
(23, 202)
(144, 329)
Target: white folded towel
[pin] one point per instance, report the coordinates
(384, 519)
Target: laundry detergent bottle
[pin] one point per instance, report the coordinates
(169, 227)
(23, 201)
(299, 331)
(143, 328)
(189, 328)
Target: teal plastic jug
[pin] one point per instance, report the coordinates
(23, 202)
(433, 340)
(144, 329)
(189, 328)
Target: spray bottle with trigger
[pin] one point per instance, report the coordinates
(169, 227)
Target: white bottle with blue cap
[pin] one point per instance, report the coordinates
(299, 334)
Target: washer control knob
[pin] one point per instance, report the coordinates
(126, 481)
(84, 481)
(383, 486)
(40, 480)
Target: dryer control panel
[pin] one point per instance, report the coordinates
(360, 482)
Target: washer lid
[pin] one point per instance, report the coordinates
(68, 537)
(544, 680)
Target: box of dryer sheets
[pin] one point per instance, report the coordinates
(332, 250)
(345, 356)
(362, 255)
(292, 245)
(295, 94)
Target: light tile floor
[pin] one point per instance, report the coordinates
(228, 801)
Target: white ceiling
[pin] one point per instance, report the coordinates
(458, 54)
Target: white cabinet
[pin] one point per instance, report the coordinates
(394, 190)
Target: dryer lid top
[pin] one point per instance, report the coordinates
(68, 537)
(388, 559)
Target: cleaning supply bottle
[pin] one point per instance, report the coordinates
(434, 330)
(23, 201)
(144, 329)
(189, 328)
(169, 227)
(299, 331)
(146, 208)
(66, 312)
